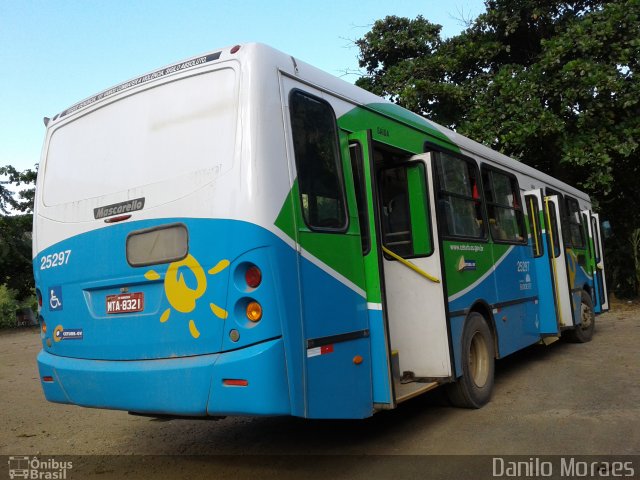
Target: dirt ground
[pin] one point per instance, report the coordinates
(562, 399)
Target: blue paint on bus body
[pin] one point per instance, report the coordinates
(154, 361)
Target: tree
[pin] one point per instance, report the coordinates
(26, 196)
(15, 231)
(553, 84)
(15, 253)
(6, 197)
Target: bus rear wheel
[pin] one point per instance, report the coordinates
(474, 388)
(583, 333)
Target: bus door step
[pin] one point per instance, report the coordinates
(405, 391)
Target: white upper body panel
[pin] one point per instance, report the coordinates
(202, 138)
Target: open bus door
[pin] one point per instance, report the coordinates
(413, 275)
(547, 305)
(557, 256)
(601, 299)
(409, 338)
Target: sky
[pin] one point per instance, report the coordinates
(54, 53)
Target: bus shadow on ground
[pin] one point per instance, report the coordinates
(430, 412)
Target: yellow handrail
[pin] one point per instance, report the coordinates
(407, 263)
(534, 220)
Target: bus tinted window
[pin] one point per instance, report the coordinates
(315, 142)
(574, 223)
(355, 151)
(535, 229)
(459, 201)
(553, 238)
(596, 238)
(503, 206)
(563, 214)
(405, 218)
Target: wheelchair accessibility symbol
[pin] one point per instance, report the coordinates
(55, 298)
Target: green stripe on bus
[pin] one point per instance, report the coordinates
(388, 124)
(328, 248)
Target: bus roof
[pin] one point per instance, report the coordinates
(251, 52)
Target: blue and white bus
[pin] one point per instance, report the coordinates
(243, 234)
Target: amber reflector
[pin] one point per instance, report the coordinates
(254, 311)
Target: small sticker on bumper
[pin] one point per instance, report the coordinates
(61, 333)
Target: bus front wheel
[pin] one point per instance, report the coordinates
(474, 388)
(583, 333)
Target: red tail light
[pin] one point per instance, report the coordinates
(253, 276)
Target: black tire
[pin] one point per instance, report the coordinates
(474, 388)
(583, 333)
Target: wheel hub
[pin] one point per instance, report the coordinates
(479, 360)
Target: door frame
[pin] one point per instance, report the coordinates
(595, 232)
(381, 354)
(545, 281)
(562, 293)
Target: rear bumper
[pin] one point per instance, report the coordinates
(180, 386)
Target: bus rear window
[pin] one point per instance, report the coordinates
(148, 137)
(163, 244)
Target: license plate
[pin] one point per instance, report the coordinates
(125, 303)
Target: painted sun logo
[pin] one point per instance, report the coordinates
(182, 298)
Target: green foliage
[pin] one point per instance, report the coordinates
(8, 307)
(10, 304)
(15, 253)
(24, 202)
(15, 231)
(6, 197)
(553, 84)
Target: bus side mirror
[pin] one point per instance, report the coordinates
(607, 231)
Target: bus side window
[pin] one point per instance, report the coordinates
(315, 143)
(596, 239)
(563, 215)
(355, 152)
(533, 213)
(502, 195)
(574, 222)
(405, 219)
(459, 200)
(553, 240)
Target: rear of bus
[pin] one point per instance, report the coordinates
(157, 292)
